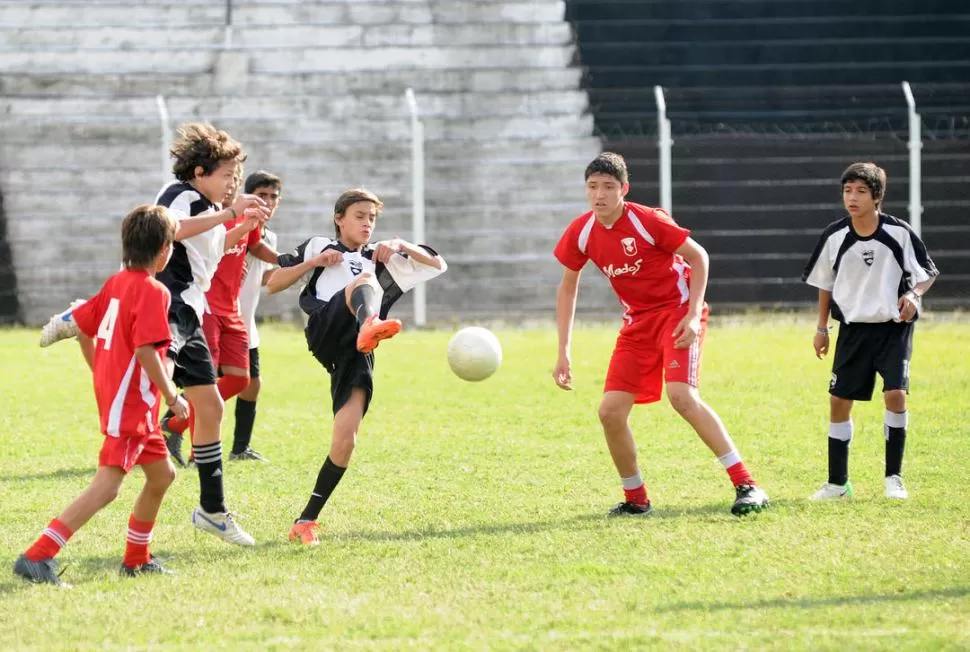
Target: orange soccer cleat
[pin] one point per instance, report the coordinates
(373, 330)
(306, 532)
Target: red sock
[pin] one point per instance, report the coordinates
(50, 542)
(637, 496)
(229, 386)
(739, 474)
(139, 538)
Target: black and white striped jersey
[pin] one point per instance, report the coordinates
(867, 275)
(400, 274)
(194, 260)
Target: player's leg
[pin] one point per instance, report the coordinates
(853, 378)
(37, 563)
(632, 377)
(159, 476)
(246, 413)
(893, 366)
(362, 301)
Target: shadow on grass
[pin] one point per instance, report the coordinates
(817, 603)
(78, 472)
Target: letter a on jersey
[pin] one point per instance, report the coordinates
(629, 246)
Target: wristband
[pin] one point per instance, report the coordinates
(822, 331)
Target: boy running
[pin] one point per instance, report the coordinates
(659, 275)
(351, 288)
(871, 271)
(123, 332)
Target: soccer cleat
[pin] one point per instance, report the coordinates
(221, 525)
(153, 567)
(895, 488)
(61, 326)
(39, 572)
(306, 532)
(373, 330)
(248, 454)
(749, 498)
(173, 442)
(831, 491)
(631, 509)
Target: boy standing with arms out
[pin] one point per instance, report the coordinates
(871, 271)
(205, 161)
(352, 286)
(222, 323)
(123, 331)
(269, 188)
(659, 275)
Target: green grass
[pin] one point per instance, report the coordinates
(472, 515)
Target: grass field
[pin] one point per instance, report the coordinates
(473, 514)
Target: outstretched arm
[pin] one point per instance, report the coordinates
(284, 277)
(565, 314)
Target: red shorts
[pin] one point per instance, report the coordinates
(645, 357)
(127, 452)
(227, 339)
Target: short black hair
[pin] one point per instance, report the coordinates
(262, 178)
(609, 163)
(870, 174)
(145, 232)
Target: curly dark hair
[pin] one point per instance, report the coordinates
(201, 144)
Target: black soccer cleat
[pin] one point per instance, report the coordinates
(750, 498)
(153, 567)
(248, 455)
(39, 572)
(631, 509)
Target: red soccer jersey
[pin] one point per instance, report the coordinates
(130, 311)
(636, 254)
(223, 294)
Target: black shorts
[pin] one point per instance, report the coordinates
(254, 362)
(863, 350)
(331, 336)
(193, 361)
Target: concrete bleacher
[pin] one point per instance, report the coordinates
(769, 101)
(315, 91)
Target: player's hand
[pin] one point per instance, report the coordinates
(384, 250)
(686, 331)
(254, 218)
(327, 258)
(908, 306)
(246, 202)
(821, 344)
(563, 374)
(180, 407)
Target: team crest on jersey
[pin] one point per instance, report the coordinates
(629, 246)
(834, 380)
(356, 267)
(868, 255)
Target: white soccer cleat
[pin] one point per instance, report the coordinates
(61, 326)
(831, 491)
(221, 525)
(895, 488)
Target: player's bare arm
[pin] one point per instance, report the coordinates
(384, 250)
(821, 340)
(265, 253)
(911, 302)
(565, 314)
(254, 220)
(192, 226)
(286, 276)
(152, 364)
(687, 329)
(87, 349)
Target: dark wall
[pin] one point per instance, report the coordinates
(9, 301)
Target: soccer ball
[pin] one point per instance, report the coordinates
(474, 353)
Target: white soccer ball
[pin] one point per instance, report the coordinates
(474, 353)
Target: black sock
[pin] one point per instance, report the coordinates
(363, 300)
(208, 459)
(245, 417)
(327, 481)
(838, 461)
(895, 446)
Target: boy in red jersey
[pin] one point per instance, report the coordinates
(222, 323)
(124, 334)
(659, 275)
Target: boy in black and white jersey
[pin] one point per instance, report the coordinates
(351, 287)
(871, 271)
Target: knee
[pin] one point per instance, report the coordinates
(895, 400)
(108, 493)
(683, 399)
(210, 410)
(611, 416)
(254, 386)
(840, 409)
(342, 447)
